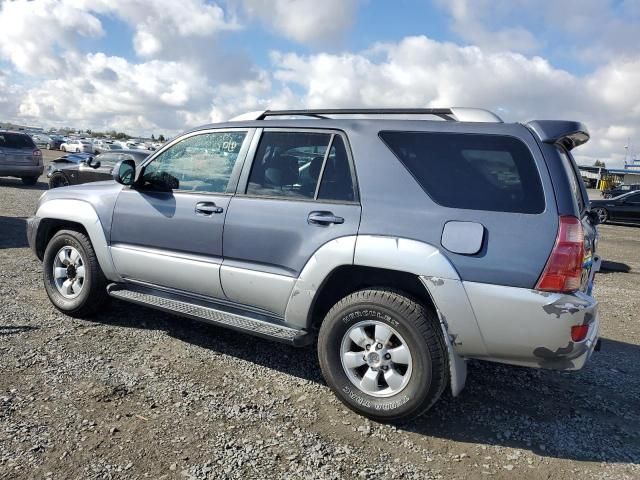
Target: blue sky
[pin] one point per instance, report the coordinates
(163, 66)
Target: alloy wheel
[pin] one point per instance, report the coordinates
(69, 272)
(376, 358)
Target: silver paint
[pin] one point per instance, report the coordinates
(327, 258)
(191, 273)
(525, 327)
(268, 291)
(83, 213)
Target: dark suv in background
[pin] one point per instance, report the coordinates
(405, 245)
(19, 157)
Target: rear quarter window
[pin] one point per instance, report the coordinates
(471, 171)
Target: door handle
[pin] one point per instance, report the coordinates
(324, 218)
(207, 208)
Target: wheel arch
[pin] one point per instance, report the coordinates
(79, 215)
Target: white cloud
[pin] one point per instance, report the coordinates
(183, 77)
(305, 21)
(32, 32)
(471, 22)
(420, 72)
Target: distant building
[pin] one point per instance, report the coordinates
(601, 177)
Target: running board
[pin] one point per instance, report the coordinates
(217, 314)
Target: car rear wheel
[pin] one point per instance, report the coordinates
(383, 354)
(72, 276)
(602, 213)
(29, 180)
(58, 180)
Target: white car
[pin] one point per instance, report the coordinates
(77, 146)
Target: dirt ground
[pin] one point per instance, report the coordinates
(139, 394)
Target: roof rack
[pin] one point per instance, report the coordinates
(460, 114)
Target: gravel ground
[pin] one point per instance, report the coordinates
(140, 394)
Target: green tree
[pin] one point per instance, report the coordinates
(153, 138)
(599, 163)
(161, 138)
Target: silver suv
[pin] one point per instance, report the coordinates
(403, 243)
(19, 157)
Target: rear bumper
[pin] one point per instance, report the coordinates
(21, 170)
(533, 328)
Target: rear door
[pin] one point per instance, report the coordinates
(298, 194)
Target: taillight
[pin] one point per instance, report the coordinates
(579, 332)
(37, 155)
(563, 272)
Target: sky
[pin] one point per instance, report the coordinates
(163, 66)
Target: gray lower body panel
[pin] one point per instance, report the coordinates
(211, 312)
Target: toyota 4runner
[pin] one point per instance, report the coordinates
(408, 240)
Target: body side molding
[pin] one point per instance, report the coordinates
(82, 212)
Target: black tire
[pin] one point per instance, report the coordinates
(77, 150)
(94, 290)
(64, 149)
(603, 214)
(29, 180)
(420, 329)
(58, 180)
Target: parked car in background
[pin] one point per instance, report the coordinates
(77, 146)
(100, 146)
(84, 168)
(462, 237)
(622, 208)
(20, 157)
(620, 190)
(40, 139)
(54, 143)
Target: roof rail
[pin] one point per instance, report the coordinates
(460, 114)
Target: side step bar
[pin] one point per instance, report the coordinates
(210, 312)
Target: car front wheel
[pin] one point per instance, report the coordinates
(72, 276)
(383, 354)
(58, 180)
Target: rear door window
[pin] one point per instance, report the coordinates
(15, 140)
(302, 165)
(471, 171)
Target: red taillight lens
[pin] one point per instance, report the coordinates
(563, 271)
(37, 155)
(579, 332)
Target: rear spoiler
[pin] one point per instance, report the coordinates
(567, 133)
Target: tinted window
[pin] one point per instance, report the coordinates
(201, 163)
(288, 164)
(16, 140)
(336, 183)
(477, 172)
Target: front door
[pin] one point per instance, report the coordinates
(167, 229)
(299, 194)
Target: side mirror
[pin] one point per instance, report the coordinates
(125, 172)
